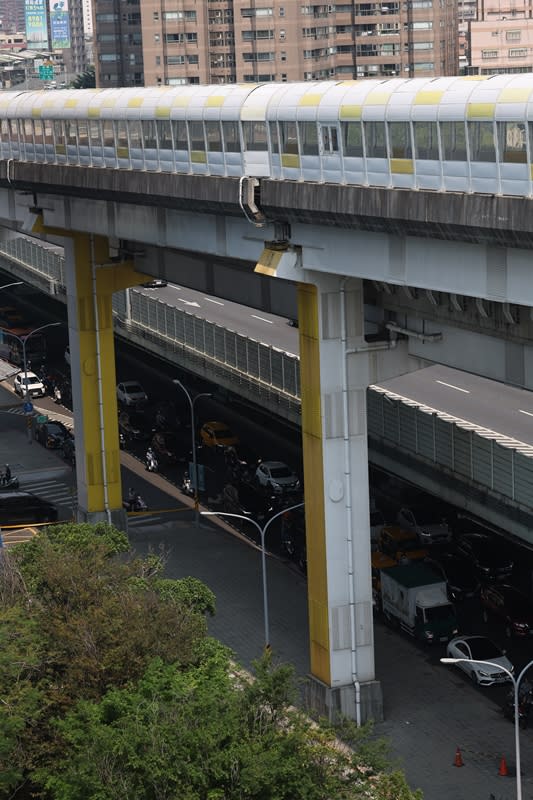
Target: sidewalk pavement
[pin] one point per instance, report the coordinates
(430, 709)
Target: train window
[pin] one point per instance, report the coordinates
(83, 133)
(330, 139)
(26, 128)
(149, 134)
(180, 134)
(232, 141)
(48, 130)
(512, 140)
(108, 133)
(59, 133)
(121, 134)
(481, 140)
(95, 133)
(196, 132)
(70, 131)
(274, 137)
(255, 135)
(38, 131)
(213, 135)
(376, 143)
(4, 131)
(289, 137)
(352, 139)
(400, 140)
(14, 129)
(426, 141)
(136, 133)
(453, 141)
(309, 137)
(164, 134)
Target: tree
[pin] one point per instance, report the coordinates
(86, 80)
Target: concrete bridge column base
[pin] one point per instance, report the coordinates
(340, 701)
(116, 516)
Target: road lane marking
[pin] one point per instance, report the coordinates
(529, 413)
(262, 319)
(216, 302)
(451, 386)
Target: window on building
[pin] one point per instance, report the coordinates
(486, 54)
(513, 36)
(330, 139)
(518, 52)
(481, 141)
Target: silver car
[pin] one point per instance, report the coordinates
(131, 393)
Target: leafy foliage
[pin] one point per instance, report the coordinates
(86, 80)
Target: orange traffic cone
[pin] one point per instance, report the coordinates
(503, 771)
(458, 761)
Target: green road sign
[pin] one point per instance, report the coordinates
(46, 72)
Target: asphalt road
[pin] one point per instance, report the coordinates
(499, 408)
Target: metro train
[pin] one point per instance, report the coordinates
(469, 134)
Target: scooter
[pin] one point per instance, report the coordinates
(525, 702)
(136, 503)
(57, 394)
(11, 485)
(151, 461)
(186, 485)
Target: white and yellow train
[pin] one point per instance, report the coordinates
(441, 134)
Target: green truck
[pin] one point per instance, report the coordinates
(416, 600)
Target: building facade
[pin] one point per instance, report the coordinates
(12, 16)
(500, 37)
(158, 42)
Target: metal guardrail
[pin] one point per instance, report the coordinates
(488, 459)
(271, 373)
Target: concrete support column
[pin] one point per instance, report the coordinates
(337, 365)
(91, 281)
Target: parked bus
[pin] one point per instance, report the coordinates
(11, 348)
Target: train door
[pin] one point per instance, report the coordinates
(330, 153)
(427, 159)
(454, 154)
(483, 157)
(515, 175)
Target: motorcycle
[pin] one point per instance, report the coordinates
(186, 485)
(151, 461)
(525, 702)
(57, 394)
(134, 503)
(9, 485)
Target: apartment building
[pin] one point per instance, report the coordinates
(12, 16)
(169, 42)
(500, 37)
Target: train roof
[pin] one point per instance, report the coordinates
(472, 97)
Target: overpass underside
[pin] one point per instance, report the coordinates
(327, 240)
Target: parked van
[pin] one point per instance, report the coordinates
(24, 508)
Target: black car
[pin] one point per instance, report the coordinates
(51, 433)
(489, 555)
(25, 508)
(460, 575)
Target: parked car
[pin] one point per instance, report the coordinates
(482, 649)
(50, 433)
(156, 283)
(276, 477)
(459, 574)
(488, 555)
(217, 433)
(131, 394)
(400, 545)
(427, 521)
(25, 508)
(510, 606)
(30, 380)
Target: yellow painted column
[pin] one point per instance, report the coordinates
(91, 281)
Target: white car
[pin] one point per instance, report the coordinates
(482, 649)
(32, 381)
(277, 477)
(131, 393)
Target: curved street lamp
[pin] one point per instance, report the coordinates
(23, 342)
(262, 533)
(7, 285)
(192, 403)
(516, 687)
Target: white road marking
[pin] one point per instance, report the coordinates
(262, 319)
(216, 302)
(189, 302)
(529, 413)
(451, 386)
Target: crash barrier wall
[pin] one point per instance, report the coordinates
(486, 459)
(267, 372)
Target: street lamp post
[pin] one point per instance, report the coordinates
(516, 687)
(8, 285)
(192, 402)
(23, 342)
(262, 534)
